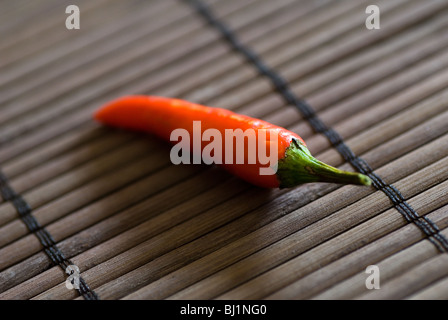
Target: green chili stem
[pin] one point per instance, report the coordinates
(299, 166)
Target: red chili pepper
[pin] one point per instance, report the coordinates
(160, 116)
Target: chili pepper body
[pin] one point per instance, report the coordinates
(161, 116)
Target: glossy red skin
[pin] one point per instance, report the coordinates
(160, 116)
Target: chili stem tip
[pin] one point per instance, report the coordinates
(299, 166)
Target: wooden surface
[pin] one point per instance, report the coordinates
(139, 227)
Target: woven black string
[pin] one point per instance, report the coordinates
(45, 238)
(428, 227)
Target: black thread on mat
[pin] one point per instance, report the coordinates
(428, 227)
(45, 238)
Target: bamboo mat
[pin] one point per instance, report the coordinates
(138, 227)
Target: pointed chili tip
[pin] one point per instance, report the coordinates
(102, 112)
(98, 114)
(121, 110)
(111, 112)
